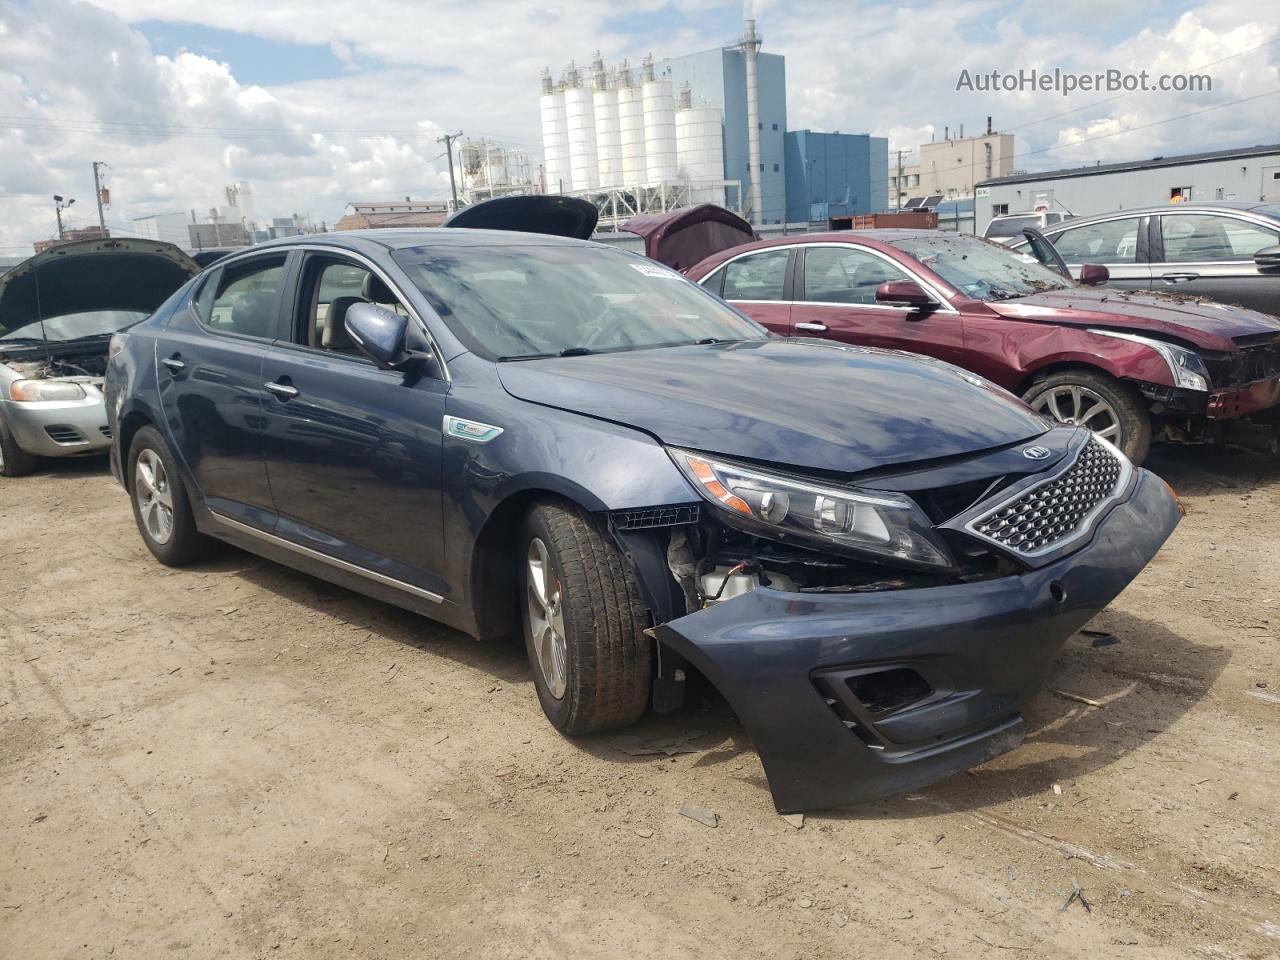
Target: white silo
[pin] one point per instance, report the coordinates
(659, 126)
(631, 129)
(579, 109)
(608, 142)
(555, 137)
(700, 151)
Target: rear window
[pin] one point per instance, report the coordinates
(1011, 226)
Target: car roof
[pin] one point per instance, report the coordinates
(1217, 206)
(402, 238)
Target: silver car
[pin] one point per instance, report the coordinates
(58, 312)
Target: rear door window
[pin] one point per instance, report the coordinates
(757, 276)
(1191, 238)
(246, 298)
(1113, 241)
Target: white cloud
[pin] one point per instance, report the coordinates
(83, 85)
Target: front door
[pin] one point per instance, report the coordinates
(209, 371)
(835, 298)
(757, 284)
(1210, 255)
(1120, 245)
(353, 451)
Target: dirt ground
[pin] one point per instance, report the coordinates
(237, 760)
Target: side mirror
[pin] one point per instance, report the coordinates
(1268, 258)
(381, 334)
(1094, 274)
(904, 293)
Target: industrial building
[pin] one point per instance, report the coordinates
(1245, 173)
(833, 175)
(950, 168)
(709, 127)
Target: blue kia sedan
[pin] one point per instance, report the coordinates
(873, 556)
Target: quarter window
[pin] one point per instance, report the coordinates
(247, 298)
(1189, 238)
(845, 275)
(1115, 241)
(757, 276)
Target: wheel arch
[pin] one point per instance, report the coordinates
(127, 428)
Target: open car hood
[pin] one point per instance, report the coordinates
(90, 275)
(1201, 323)
(531, 213)
(844, 409)
(681, 238)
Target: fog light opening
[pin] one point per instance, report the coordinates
(888, 690)
(1058, 592)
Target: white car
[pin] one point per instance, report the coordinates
(1008, 227)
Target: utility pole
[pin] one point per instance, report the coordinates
(897, 191)
(447, 140)
(58, 206)
(98, 192)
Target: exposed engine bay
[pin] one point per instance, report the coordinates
(47, 363)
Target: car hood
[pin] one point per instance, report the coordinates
(680, 238)
(531, 213)
(803, 403)
(90, 275)
(1202, 323)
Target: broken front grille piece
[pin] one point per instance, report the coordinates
(1056, 511)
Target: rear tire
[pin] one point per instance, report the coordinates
(1114, 410)
(583, 622)
(14, 461)
(161, 506)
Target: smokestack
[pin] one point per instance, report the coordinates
(750, 47)
(961, 137)
(988, 126)
(946, 133)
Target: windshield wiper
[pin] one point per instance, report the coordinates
(566, 352)
(575, 352)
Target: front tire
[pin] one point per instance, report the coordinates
(1111, 409)
(161, 506)
(14, 461)
(583, 622)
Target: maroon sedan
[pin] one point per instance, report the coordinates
(1132, 366)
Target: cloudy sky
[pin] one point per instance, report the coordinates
(317, 102)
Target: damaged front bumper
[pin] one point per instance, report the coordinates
(853, 697)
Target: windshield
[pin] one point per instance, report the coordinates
(982, 270)
(522, 301)
(76, 326)
(1012, 226)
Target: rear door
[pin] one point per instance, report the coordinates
(209, 369)
(352, 451)
(758, 284)
(836, 299)
(1211, 255)
(1119, 244)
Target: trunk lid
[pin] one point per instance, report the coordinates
(683, 237)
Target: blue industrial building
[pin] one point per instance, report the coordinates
(717, 78)
(834, 174)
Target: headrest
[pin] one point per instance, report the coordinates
(375, 291)
(335, 328)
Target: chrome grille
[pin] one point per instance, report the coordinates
(1047, 515)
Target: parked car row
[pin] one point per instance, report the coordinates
(801, 475)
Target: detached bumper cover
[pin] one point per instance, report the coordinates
(788, 663)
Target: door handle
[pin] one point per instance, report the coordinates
(173, 363)
(1179, 277)
(812, 327)
(284, 391)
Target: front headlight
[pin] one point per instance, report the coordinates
(868, 524)
(1186, 366)
(31, 391)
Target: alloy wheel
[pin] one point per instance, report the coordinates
(154, 496)
(1077, 404)
(546, 619)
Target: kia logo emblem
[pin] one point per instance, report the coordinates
(1036, 453)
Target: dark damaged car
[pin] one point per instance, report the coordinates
(874, 557)
(58, 311)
